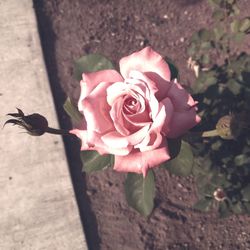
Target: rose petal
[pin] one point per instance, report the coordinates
(163, 85)
(181, 122)
(140, 162)
(92, 141)
(116, 140)
(119, 89)
(146, 60)
(117, 117)
(140, 76)
(95, 139)
(91, 80)
(180, 98)
(83, 135)
(96, 110)
(152, 141)
(160, 125)
(169, 109)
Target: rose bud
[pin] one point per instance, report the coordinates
(230, 126)
(35, 124)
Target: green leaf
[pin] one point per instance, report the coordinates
(205, 80)
(234, 87)
(205, 59)
(246, 193)
(206, 45)
(72, 111)
(91, 63)
(218, 15)
(239, 37)
(218, 32)
(140, 192)
(173, 69)
(214, 2)
(237, 208)
(205, 35)
(192, 49)
(244, 25)
(236, 10)
(181, 165)
(203, 204)
(241, 160)
(224, 210)
(93, 161)
(247, 207)
(235, 26)
(174, 146)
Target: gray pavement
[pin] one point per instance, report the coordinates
(37, 204)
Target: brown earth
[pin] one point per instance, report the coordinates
(70, 29)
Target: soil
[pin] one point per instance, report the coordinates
(70, 29)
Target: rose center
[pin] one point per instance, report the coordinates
(131, 105)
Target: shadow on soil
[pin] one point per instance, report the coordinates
(87, 216)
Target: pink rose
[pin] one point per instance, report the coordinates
(131, 114)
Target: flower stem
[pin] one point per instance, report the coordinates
(210, 133)
(57, 131)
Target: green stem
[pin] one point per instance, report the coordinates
(210, 133)
(57, 131)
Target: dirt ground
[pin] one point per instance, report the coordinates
(70, 29)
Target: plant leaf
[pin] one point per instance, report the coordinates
(174, 147)
(181, 165)
(246, 193)
(205, 35)
(140, 192)
(224, 210)
(93, 161)
(203, 204)
(91, 63)
(173, 69)
(244, 24)
(218, 15)
(235, 26)
(72, 111)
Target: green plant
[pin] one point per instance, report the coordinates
(222, 87)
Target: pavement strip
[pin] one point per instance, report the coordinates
(37, 202)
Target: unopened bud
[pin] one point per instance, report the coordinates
(230, 126)
(34, 124)
(224, 127)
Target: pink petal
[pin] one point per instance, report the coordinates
(146, 60)
(140, 76)
(159, 126)
(163, 85)
(181, 122)
(169, 109)
(95, 139)
(140, 162)
(83, 135)
(117, 117)
(92, 141)
(152, 141)
(119, 89)
(96, 109)
(180, 98)
(116, 140)
(91, 80)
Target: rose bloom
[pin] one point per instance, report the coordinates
(131, 115)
